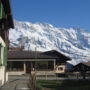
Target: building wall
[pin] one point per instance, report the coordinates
(3, 74)
(60, 69)
(22, 67)
(16, 72)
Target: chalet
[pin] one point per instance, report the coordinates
(26, 61)
(6, 23)
(83, 69)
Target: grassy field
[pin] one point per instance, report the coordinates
(63, 85)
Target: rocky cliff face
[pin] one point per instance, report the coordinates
(43, 37)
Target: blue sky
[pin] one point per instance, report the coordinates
(60, 13)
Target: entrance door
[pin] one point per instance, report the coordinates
(28, 67)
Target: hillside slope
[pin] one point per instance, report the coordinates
(42, 36)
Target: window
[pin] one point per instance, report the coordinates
(60, 68)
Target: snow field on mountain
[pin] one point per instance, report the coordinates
(74, 43)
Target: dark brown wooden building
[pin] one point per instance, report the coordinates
(82, 67)
(6, 21)
(28, 60)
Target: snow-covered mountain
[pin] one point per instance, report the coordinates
(42, 36)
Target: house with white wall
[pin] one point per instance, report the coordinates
(6, 22)
(3, 73)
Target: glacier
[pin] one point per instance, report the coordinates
(73, 42)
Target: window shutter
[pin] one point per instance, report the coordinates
(2, 12)
(5, 56)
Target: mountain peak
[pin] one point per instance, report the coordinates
(73, 42)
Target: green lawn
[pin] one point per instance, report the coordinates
(63, 85)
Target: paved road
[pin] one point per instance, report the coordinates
(16, 83)
(22, 82)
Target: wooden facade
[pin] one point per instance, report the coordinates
(83, 69)
(6, 21)
(30, 60)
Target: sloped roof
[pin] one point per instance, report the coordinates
(34, 54)
(83, 63)
(26, 55)
(57, 54)
(87, 63)
(83, 66)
